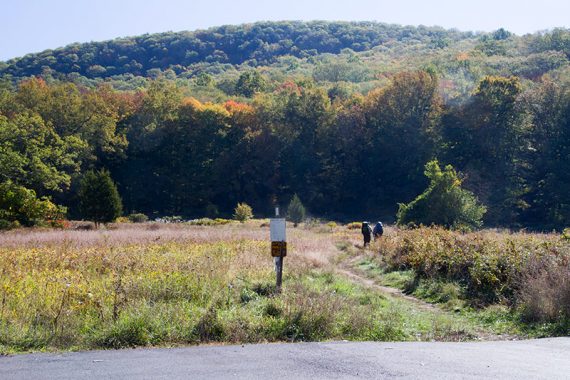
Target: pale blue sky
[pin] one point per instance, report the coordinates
(28, 26)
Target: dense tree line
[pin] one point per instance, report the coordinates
(344, 156)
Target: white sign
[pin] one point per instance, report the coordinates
(277, 229)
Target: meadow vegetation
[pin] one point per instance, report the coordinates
(175, 284)
(525, 276)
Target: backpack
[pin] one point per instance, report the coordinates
(379, 229)
(366, 229)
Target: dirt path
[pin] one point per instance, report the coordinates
(355, 277)
(347, 269)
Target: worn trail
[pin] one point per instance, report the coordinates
(355, 277)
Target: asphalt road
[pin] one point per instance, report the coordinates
(532, 359)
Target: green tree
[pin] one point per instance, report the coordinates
(486, 139)
(205, 80)
(33, 155)
(249, 83)
(99, 198)
(302, 120)
(501, 34)
(243, 212)
(497, 128)
(547, 175)
(91, 116)
(443, 203)
(19, 205)
(296, 211)
(401, 119)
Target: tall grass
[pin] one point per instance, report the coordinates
(137, 286)
(527, 271)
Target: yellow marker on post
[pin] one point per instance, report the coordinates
(278, 248)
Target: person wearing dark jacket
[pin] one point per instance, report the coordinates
(366, 233)
(378, 231)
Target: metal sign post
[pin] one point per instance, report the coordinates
(278, 246)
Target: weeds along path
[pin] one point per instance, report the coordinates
(353, 275)
(347, 267)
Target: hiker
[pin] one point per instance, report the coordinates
(366, 233)
(378, 231)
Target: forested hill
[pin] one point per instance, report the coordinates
(255, 44)
(362, 54)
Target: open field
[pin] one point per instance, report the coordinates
(174, 284)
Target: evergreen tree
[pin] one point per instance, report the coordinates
(296, 211)
(99, 198)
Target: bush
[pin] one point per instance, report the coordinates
(311, 223)
(354, 225)
(85, 226)
(490, 266)
(209, 222)
(7, 225)
(60, 223)
(296, 211)
(243, 212)
(544, 295)
(443, 203)
(209, 328)
(138, 218)
(170, 219)
(127, 332)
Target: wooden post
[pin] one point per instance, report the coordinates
(279, 274)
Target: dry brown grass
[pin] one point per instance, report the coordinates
(125, 234)
(544, 294)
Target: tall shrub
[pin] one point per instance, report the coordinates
(443, 203)
(99, 198)
(19, 205)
